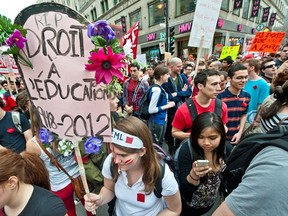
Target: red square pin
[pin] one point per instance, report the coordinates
(129, 140)
(141, 197)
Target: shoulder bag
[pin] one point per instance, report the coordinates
(76, 182)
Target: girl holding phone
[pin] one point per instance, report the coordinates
(199, 181)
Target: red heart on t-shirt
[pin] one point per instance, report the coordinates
(244, 104)
(10, 130)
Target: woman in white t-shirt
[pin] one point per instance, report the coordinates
(130, 173)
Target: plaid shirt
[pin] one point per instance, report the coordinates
(128, 95)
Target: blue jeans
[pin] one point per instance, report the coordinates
(158, 132)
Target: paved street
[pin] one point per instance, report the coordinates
(102, 211)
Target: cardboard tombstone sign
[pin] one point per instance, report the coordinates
(66, 96)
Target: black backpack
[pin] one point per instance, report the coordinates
(176, 158)
(145, 101)
(245, 151)
(193, 111)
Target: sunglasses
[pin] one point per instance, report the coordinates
(270, 66)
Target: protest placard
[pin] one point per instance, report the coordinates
(66, 96)
(204, 22)
(267, 42)
(7, 65)
(229, 51)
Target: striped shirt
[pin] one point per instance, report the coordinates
(269, 124)
(237, 106)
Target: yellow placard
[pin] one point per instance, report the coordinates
(230, 51)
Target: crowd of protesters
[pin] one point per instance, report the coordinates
(212, 107)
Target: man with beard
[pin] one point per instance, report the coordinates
(178, 90)
(133, 89)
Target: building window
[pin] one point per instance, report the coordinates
(118, 22)
(156, 12)
(134, 17)
(93, 14)
(259, 15)
(225, 5)
(104, 6)
(116, 2)
(251, 19)
(246, 9)
(236, 12)
(185, 6)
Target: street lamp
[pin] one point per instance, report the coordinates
(167, 24)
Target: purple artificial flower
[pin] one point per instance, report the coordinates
(16, 38)
(93, 145)
(45, 136)
(101, 28)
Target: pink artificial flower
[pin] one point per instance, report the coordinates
(105, 65)
(16, 38)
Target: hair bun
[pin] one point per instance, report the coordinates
(281, 93)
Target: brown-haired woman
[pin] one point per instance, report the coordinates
(130, 173)
(60, 183)
(158, 105)
(23, 102)
(23, 183)
(277, 112)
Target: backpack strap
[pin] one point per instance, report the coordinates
(158, 184)
(16, 121)
(190, 148)
(136, 92)
(192, 108)
(218, 107)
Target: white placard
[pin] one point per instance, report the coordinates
(66, 96)
(204, 22)
(142, 58)
(162, 48)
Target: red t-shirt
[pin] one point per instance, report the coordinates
(183, 121)
(131, 88)
(10, 103)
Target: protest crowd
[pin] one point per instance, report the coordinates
(174, 126)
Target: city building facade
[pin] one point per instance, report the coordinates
(238, 21)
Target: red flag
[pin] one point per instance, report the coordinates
(131, 40)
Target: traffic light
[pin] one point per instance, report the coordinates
(172, 40)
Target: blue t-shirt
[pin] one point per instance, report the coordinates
(259, 90)
(10, 136)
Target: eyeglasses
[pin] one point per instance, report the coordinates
(270, 66)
